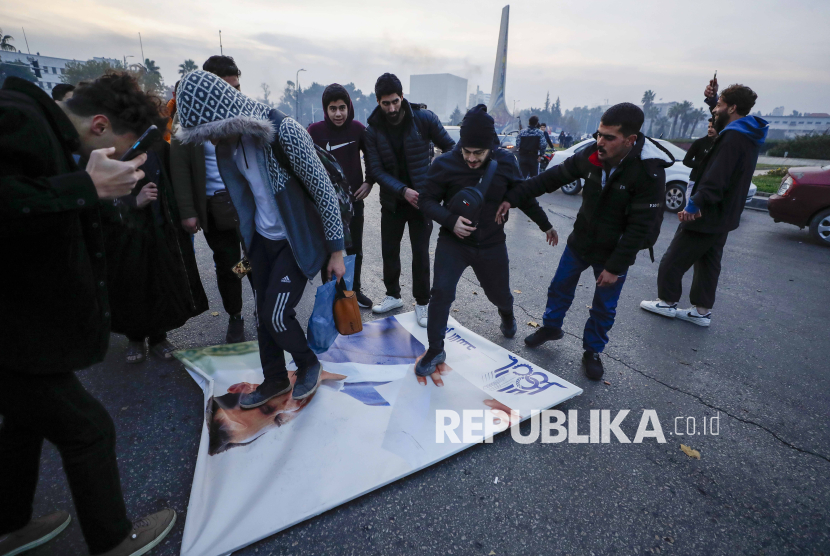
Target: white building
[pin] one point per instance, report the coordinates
(788, 127)
(47, 69)
(441, 92)
(479, 97)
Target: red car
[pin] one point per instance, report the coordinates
(804, 200)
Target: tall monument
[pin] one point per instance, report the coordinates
(497, 107)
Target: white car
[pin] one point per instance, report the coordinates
(677, 175)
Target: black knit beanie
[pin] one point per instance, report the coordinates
(478, 130)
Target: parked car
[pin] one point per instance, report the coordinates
(677, 175)
(804, 200)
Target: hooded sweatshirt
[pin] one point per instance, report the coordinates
(345, 143)
(720, 193)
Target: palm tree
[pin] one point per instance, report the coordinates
(151, 66)
(661, 122)
(675, 112)
(690, 121)
(187, 67)
(5, 42)
(648, 107)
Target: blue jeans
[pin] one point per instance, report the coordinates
(561, 295)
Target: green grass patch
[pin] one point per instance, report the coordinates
(760, 166)
(767, 184)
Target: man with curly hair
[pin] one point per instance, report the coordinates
(714, 208)
(55, 306)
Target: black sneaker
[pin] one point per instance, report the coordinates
(362, 301)
(429, 362)
(542, 335)
(508, 324)
(593, 365)
(268, 390)
(307, 381)
(236, 330)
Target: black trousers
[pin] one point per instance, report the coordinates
(529, 165)
(688, 248)
(227, 251)
(356, 228)
(278, 287)
(57, 408)
(452, 257)
(392, 226)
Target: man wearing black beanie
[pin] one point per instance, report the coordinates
(462, 243)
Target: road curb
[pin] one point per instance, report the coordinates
(758, 203)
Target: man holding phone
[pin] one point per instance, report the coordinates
(56, 313)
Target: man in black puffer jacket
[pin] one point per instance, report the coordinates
(463, 243)
(397, 144)
(622, 202)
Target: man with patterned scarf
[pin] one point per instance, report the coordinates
(289, 217)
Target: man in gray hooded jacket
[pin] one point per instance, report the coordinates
(289, 217)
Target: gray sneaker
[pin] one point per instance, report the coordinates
(427, 367)
(266, 391)
(146, 534)
(307, 381)
(38, 531)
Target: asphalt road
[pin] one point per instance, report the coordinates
(762, 485)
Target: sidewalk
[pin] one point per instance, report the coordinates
(781, 161)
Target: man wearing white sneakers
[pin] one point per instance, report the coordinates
(714, 209)
(397, 157)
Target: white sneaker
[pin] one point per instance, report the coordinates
(388, 304)
(691, 315)
(421, 312)
(660, 307)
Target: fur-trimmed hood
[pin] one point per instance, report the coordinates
(210, 109)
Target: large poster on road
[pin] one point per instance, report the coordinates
(370, 423)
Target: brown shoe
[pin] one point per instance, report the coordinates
(37, 532)
(146, 534)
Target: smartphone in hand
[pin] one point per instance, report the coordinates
(142, 144)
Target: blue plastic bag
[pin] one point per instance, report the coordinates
(321, 329)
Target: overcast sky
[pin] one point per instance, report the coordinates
(582, 52)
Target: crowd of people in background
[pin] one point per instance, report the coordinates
(103, 245)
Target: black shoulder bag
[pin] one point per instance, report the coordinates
(469, 201)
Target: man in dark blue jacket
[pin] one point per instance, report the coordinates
(397, 147)
(714, 209)
(530, 145)
(463, 243)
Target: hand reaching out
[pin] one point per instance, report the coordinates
(501, 214)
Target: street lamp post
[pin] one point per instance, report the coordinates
(297, 92)
(125, 60)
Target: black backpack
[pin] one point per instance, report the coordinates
(469, 201)
(336, 176)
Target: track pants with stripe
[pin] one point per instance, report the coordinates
(278, 287)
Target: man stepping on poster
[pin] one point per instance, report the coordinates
(462, 243)
(289, 217)
(624, 174)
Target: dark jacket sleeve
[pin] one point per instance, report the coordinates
(531, 206)
(23, 194)
(646, 206)
(547, 182)
(718, 174)
(711, 102)
(433, 193)
(180, 175)
(374, 166)
(689, 160)
(439, 135)
(367, 177)
(547, 138)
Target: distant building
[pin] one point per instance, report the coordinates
(47, 69)
(479, 97)
(441, 92)
(778, 111)
(788, 127)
